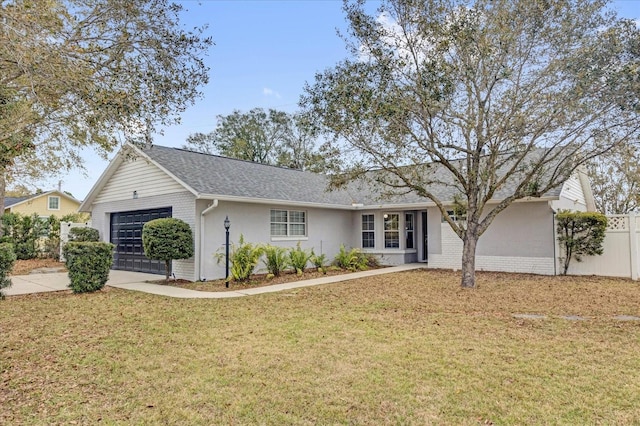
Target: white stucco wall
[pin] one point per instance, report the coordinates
(326, 231)
(183, 207)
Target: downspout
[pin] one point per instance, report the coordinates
(202, 234)
(555, 239)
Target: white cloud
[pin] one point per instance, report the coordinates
(270, 92)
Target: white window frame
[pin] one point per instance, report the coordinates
(453, 217)
(289, 224)
(52, 197)
(387, 220)
(369, 230)
(410, 230)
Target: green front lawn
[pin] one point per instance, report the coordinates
(409, 348)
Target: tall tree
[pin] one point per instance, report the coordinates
(615, 180)
(496, 99)
(76, 73)
(268, 137)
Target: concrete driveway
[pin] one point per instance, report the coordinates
(58, 281)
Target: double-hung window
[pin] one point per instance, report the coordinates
(54, 203)
(391, 230)
(368, 231)
(409, 228)
(288, 223)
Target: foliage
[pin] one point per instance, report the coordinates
(299, 258)
(580, 234)
(319, 261)
(268, 137)
(497, 100)
(167, 239)
(88, 264)
(50, 245)
(243, 259)
(79, 73)
(353, 260)
(7, 259)
(276, 259)
(84, 234)
(23, 231)
(615, 180)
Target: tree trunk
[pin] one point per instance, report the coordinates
(167, 269)
(3, 189)
(470, 242)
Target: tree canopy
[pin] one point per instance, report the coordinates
(267, 137)
(615, 180)
(77, 73)
(503, 98)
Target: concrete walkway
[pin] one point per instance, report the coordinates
(136, 281)
(59, 281)
(183, 293)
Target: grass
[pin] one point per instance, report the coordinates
(407, 348)
(24, 267)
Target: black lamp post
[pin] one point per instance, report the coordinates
(227, 225)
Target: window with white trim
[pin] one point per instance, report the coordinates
(454, 217)
(391, 230)
(54, 203)
(368, 231)
(288, 223)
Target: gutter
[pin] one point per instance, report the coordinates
(206, 211)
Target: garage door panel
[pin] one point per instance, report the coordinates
(126, 235)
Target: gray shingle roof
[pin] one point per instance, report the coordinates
(222, 176)
(215, 175)
(9, 201)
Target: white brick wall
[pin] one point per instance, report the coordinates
(451, 258)
(183, 207)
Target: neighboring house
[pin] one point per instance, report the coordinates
(54, 203)
(283, 207)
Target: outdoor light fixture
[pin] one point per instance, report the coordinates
(386, 216)
(227, 225)
(135, 195)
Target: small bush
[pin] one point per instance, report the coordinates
(88, 264)
(299, 258)
(243, 259)
(276, 259)
(84, 235)
(7, 259)
(580, 234)
(167, 239)
(319, 261)
(352, 260)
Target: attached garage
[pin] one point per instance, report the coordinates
(126, 235)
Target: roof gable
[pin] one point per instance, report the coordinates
(16, 201)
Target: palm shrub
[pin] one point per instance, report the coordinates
(352, 260)
(7, 259)
(299, 258)
(580, 234)
(276, 259)
(88, 264)
(167, 239)
(243, 259)
(319, 261)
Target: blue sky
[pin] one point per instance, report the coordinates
(264, 52)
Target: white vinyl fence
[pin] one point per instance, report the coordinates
(620, 257)
(65, 227)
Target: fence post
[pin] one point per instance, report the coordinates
(633, 246)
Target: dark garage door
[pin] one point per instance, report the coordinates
(126, 235)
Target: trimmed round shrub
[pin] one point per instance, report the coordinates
(7, 259)
(167, 239)
(84, 235)
(88, 264)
